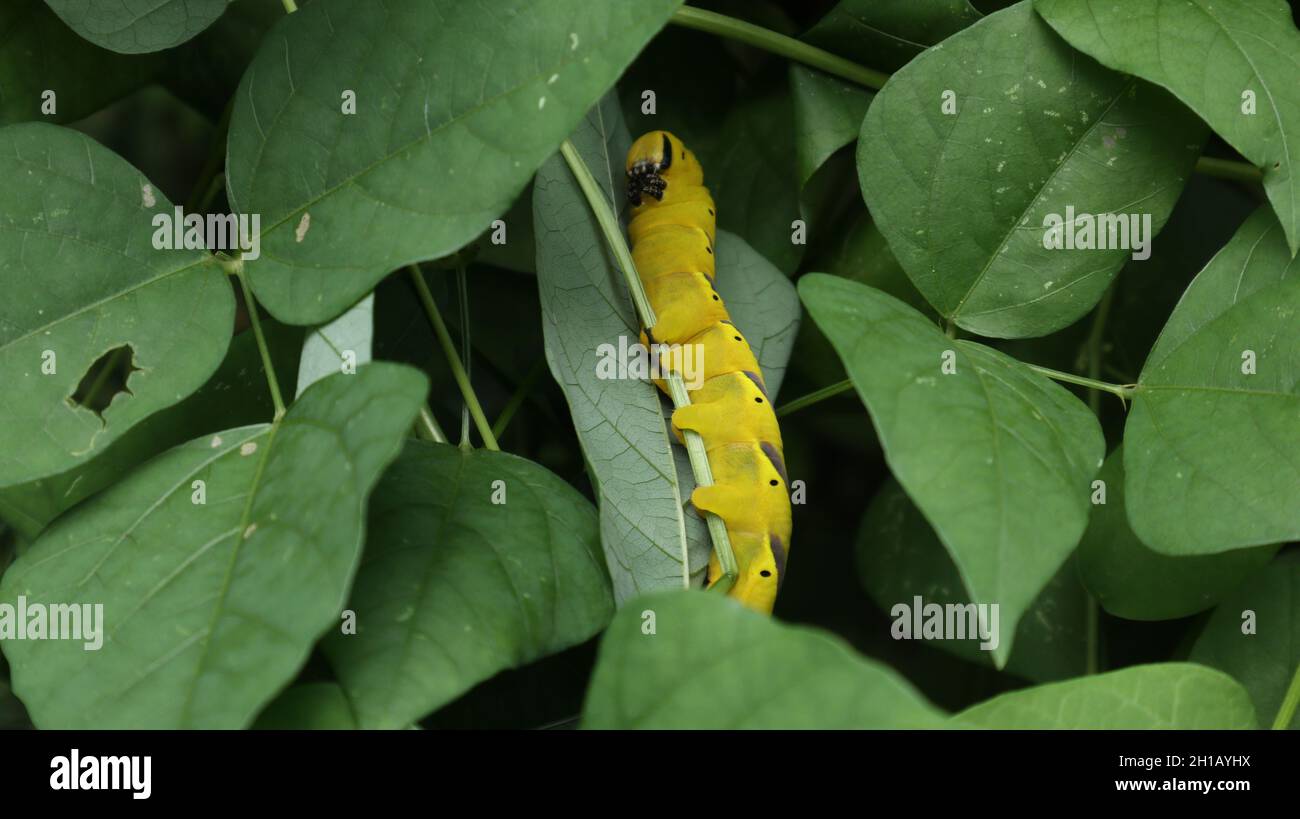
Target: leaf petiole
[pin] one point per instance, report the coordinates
(453, 360)
(267, 367)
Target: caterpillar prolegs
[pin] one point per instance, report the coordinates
(672, 232)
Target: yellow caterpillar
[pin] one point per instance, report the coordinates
(672, 232)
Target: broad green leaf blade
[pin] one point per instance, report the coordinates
(1254, 635)
(137, 26)
(585, 304)
(964, 197)
(210, 609)
(1212, 454)
(700, 660)
(317, 706)
(886, 34)
(76, 218)
(236, 395)
(762, 302)
(1132, 581)
(38, 53)
(341, 345)
(1233, 62)
(883, 34)
(828, 114)
(476, 562)
(452, 118)
(997, 458)
(900, 558)
(1182, 696)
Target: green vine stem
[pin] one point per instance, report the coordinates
(462, 299)
(790, 48)
(426, 427)
(289, 6)
(453, 360)
(676, 389)
(768, 40)
(267, 367)
(1124, 391)
(1286, 711)
(517, 400)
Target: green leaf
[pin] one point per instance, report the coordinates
(454, 115)
(963, 197)
(1161, 696)
(1132, 581)
(900, 557)
(996, 457)
(38, 53)
(828, 114)
(887, 34)
(700, 660)
(1209, 53)
(334, 347)
(476, 562)
(585, 304)
(317, 706)
(1266, 659)
(133, 27)
(762, 302)
(205, 72)
(76, 217)
(1212, 455)
(236, 395)
(210, 609)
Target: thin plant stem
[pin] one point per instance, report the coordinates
(289, 6)
(1229, 169)
(814, 397)
(267, 367)
(517, 400)
(1286, 711)
(453, 360)
(426, 427)
(1123, 391)
(699, 459)
(462, 299)
(768, 40)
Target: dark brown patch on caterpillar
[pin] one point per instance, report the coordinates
(775, 458)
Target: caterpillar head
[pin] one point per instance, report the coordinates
(656, 160)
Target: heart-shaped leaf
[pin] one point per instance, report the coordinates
(452, 117)
(697, 659)
(133, 27)
(969, 151)
(1212, 453)
(218, 565)
(1233, 62)
(77, 219)
(1163, 696)
(996, 457)
(475, 562)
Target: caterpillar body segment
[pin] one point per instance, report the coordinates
(672, 230)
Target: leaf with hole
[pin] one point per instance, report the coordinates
(452, 117)
(971, 151)
(995, 456)
(80, 220)
(218, 565)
